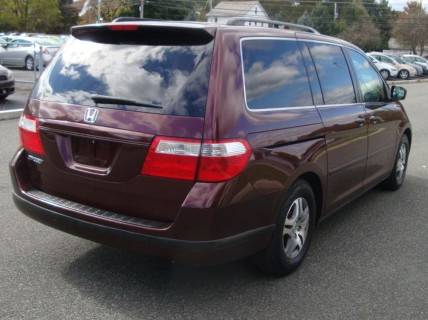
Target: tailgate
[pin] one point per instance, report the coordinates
(100, 166)
(100, 104)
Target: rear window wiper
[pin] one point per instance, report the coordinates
(123, 101)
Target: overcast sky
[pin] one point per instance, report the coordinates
(399, 4)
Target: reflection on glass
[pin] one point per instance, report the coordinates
(175, 77)
(372, 88)
(333, 72)
(275, 76)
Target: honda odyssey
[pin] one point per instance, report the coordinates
(205, 143)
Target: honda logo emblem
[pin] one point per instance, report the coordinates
(91, 115)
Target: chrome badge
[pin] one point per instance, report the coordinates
(91, 115)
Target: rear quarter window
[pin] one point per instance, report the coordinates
(274, 74)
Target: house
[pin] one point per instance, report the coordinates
(226, 10)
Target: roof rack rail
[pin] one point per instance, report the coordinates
(240, 21)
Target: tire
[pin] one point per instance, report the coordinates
(2, 98)
(398, 173)
(385, 74)
(29, 63)
(290, 240)
(404, 74)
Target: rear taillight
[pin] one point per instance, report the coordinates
(30, 134)
(188, 159)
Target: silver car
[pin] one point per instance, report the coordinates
(25, 52)
(7, 83)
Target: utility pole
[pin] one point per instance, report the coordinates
(99, 11)
(210, 4)
(336, 12)
(141, 9)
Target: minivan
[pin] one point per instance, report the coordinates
(206, 143)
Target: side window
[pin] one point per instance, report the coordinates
(371, 86)
(13, 44)
(333, 73)
(388, 60)
(275, 75)
(25, 43)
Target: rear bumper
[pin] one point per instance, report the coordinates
(199, 252)
(112, 229)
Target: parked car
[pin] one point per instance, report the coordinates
(405, 71)
(417, 60)
(419, 69)
(226, 141)
(25, 52)
(7, 83)
(385, 69)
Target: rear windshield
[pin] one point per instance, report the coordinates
(172, 77)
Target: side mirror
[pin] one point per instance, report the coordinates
(398, 93)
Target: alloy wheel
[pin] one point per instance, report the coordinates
(296, 227)
(29, 63)
(404, 74)
(384, 74)
(401, 162)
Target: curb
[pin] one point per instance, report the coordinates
(10, 114)
(393, 82)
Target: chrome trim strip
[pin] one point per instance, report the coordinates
(280, 38)
(341, 105)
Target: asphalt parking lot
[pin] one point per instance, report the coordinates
(368, 261)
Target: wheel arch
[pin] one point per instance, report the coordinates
(408, 133)
(316, 184)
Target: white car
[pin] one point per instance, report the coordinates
(25, 52)
(418, 60)
(386, 70)
(405, 71)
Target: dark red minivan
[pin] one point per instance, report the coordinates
(206, 143)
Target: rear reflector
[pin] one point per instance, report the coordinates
(178, 158)
(30, 135)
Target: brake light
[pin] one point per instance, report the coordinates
(223, 160)
(172, 158)
(188, 159)
(30, 135)
(123, 27)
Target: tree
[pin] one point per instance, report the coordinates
(411, 27)
(173, 9)
(322, 16)
(382, 16)
(109, 10)
(363, 34)
(359, 27)
(30, 15)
